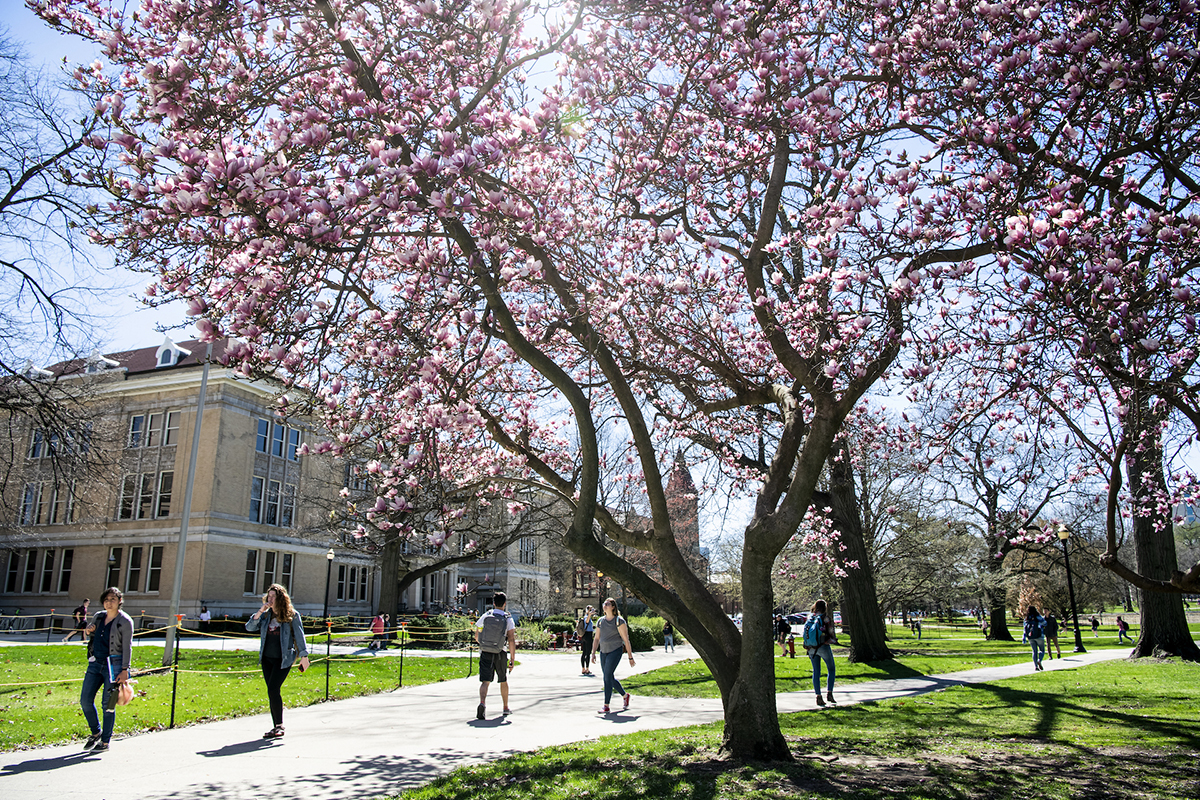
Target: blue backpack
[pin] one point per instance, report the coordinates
(814, 631)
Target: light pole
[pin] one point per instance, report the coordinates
(328, 575)
(1063, 536)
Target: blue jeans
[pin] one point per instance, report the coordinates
(608, 665)
(1039, 650)
(94, 679)
(669, 641)
(824, 652)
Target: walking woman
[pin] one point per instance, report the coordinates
(822, 635)
(109, 655)
(585, 630)
(281, 642)
(1035, 634)
(614, 640)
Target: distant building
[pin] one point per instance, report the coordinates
(259, 512)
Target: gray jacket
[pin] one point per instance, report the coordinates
(120, 637)
(291, 637)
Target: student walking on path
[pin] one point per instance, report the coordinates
(585, 630)
(614, 640)
(281, 642)
(819, 638)
(80, 616)
(1035, 633)
(668, 637)
(1052, 635)
(494, 629)
(1123, 631)
(109, 656)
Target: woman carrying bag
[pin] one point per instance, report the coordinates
(110, 652)
(614, 640)
(281, 642)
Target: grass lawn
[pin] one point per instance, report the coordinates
(212, 685)
(1117, 729)
(930, 656)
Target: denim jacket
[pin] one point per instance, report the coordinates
(291, 637)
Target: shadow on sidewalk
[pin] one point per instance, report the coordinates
(238, 748)
(45, 764)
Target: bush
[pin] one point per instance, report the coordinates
(642, 635)
(439, 632)
(560, 623)
(533, 636)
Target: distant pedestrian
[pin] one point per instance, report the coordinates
(784, 631)
(1051, 629)
(1095, 627)
(668, 636)
(1123, 631)
(493, 631)
(80, 619)
(110, 653)
(983, 626)
(585, 632)
(614, 640)
(205, 619)
(819, 636)
(1035, 634)
(378, 633)
(917, 628)
(281, 644)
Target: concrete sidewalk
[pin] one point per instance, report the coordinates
(369, 746)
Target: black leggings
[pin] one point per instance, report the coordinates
(586, 644)
(275, 675)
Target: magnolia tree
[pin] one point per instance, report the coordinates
(707, 228)
(1080, 121)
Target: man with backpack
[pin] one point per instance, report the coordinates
(818, 636)
(493, 630)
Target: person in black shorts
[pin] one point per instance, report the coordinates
(494, 629)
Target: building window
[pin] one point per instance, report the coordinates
(271, 515)
(285, 572)
(48, 571)
(293, 443)
(154, 573)
(165, 482)
(287, 509)
(35, 444)
(277, 441)
(263, 437)
(64, 574)
(133, 575)
(154, 430)
(362, 583)
(256, 499)
(62, 505)
(171, 435)
(268, 578)
(30, 570)
(341, 587)
(137, 426)
(14, 572)
(145, 495)
(33, 504)
(114, 567)
(349, 579)
(251, 572)
(528, 550)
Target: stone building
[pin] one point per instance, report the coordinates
(259, 511)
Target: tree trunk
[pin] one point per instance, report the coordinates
(751, 717)
(997, 610)
(860, 601)
(1164, 629)
(389, 577)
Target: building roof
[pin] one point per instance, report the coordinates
(189, 353)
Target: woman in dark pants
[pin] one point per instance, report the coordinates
(281, 642)
(585, 632)
(109, 654)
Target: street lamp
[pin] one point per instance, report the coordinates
(328, 575)
(1063, 536)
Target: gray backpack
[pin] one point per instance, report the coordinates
(494, 632)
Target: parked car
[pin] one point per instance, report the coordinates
(797, 619)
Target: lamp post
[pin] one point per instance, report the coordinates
(328, 575)
(1063, 536)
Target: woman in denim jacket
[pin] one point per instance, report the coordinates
(281, 642)
(110, 652)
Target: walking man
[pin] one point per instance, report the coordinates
(80, 617)
(493, 630)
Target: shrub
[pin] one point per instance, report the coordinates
(533, 636)
(642, 635)
(560, 623)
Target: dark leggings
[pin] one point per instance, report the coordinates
(586, 643)
(275, 675)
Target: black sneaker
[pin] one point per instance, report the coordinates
(91, 741)
(101, 747)
(479, 712)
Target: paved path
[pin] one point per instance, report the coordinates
(369, 746)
